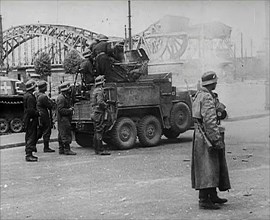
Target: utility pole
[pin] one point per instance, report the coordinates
(125, 38)
(129, 26)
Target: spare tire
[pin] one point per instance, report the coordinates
(180, 118)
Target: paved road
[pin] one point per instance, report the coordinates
(141, 183)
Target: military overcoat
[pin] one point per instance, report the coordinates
(208, 168)
(64, 116)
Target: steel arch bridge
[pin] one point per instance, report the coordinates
(169, 39)
(22, 43)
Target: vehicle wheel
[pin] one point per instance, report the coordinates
(168, 133)
(180, 118)
(149, 131)
(124, 133)
(3, 125)
(84, 139)
(16, 125)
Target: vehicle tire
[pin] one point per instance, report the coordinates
(84, 139)
(124, 133)
(16, 125)
(4, 126)
(149, 131)
(180, 118)
(170, 134)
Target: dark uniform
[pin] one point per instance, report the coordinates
(101, 51)
(30, 121)
(64, 116)
(86, 68)
(44, 106)
(99, 109)
(209, 168)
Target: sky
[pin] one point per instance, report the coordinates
(110, 16)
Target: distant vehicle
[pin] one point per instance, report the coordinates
(145, 108)
(11, 105)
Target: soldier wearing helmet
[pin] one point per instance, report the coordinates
(44, 106)
(99, 106)
(30, 121)
(209, 168)
(64, 116)
(86, 68)
(102, 51)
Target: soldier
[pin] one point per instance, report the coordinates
(101, 50)
(209, 168)
(44, 106)
(99, 110)
(30, 121)
(86, 68)
(64, 114)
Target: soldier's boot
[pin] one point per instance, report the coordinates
(102, 150)
(61, 148)
(46, 148)
(30, 158)
(214, 197)
(205, 201)
(95, 144)
(68, 151)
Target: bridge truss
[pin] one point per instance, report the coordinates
(22, 44)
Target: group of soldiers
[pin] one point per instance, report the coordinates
(38, 107)
(98, 60)
(38, 117)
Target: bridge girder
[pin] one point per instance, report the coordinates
(71, 37)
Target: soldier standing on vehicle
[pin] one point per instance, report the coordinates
(44, 106)
(101, 50)
(30, 121)
(64, 115)
(86, 68)
(99, 110)
(209, 168)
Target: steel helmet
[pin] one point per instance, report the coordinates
(30, 84)
(64, 86)
(208, 78)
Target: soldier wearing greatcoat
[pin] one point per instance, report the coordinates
(209, 168)
(64, 116)
(99, 106)
(44, 106)
(30, 121)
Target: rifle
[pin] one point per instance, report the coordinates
(206, 139)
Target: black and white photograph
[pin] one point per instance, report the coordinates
(134, 110)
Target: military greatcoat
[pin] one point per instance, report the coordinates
(208, 168)
(64, 116)
(44, 106)
(30, 122)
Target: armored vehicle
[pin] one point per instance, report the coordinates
(145, 109)
(11, 105)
